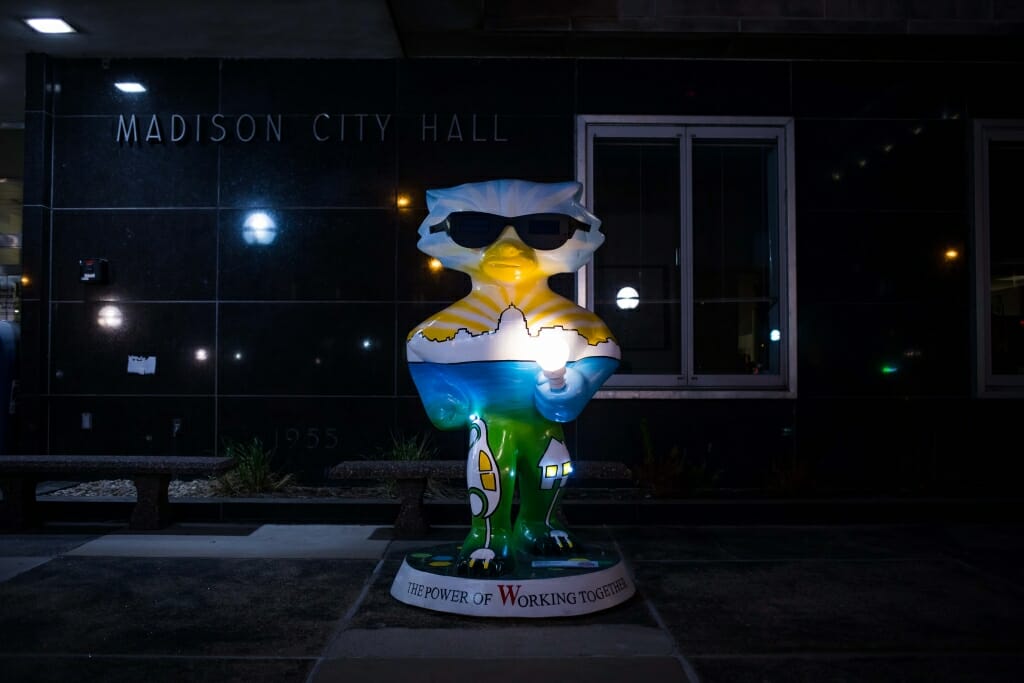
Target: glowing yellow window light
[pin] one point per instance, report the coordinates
(551, 471)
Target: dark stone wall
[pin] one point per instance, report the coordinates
(304, 338)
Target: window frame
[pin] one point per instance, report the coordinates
(988, 384)
(686, 129)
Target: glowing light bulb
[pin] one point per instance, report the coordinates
(435, 265)
(952, 254)
(403, 201)
(554, 354)
(775, 335)
(202, 354)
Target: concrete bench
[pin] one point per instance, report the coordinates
(410, 477)
(19, 475)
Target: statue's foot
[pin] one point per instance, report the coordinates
(540, 539)
(478, 559)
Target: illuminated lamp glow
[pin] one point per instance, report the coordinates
(775, 335)
(50, 25)
(952, 254)
(402, 201)
(202, 354)
(110, 317)
(552, 357)
(25, 280)
(627, 298)
(238, 355)
(367, 343)
(130, 87)
(259, 228)
(435, 265)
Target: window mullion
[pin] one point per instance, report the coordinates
(686, 255)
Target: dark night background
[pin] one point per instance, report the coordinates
(344, 269)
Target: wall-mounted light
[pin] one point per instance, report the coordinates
(259, 228)
(130, 87)
(50, 25)
(627, 298)
(110, 317)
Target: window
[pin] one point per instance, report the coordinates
(999, 253)
(696, 274)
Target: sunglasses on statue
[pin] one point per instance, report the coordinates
(475, 230)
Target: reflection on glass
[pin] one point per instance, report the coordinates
(735, 257)
(627, 298)
(637, 196)
(110, 317)
(202, 354)
(735, 338)
(259, 228)
(367, 344)
(238, 355)
(1006, 260)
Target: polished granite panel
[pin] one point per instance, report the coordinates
(38, 159)
(931, 667)
(32, 349)
(299, 348)
(309, 435)
(151, 255)
(843, 165)
(987, 93)
(132, 425)
(932, 90)
(142, 174)
(314, 255)
(860, 257)
(833, 606)
(128, 669)
(90, 355)
(37, 71)
(536, 147)
(723, 442)
(301, 171)
(178, 606)
(884, 349)
(683, 87)
(897, 445)
(173, 86)
(417, 279)
(308, 86)
(35, 240)
(486, 86)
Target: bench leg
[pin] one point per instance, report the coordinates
(19, 506)
(152, 511)
(411, 522)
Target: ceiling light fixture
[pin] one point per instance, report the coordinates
(130, 87)
(50, 25)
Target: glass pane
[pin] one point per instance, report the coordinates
(636, 271)
(735, 219)
(737, 338)
(1006, 239)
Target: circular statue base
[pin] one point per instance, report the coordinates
(594, 580)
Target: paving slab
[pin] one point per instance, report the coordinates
(586, 640)
(325, 541)
(932, 668)
(41, 544)
(502, 669)
(51, 669)
(174, 606)
(12, 566)
(833, 606)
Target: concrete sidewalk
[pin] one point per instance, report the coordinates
(715, 603)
